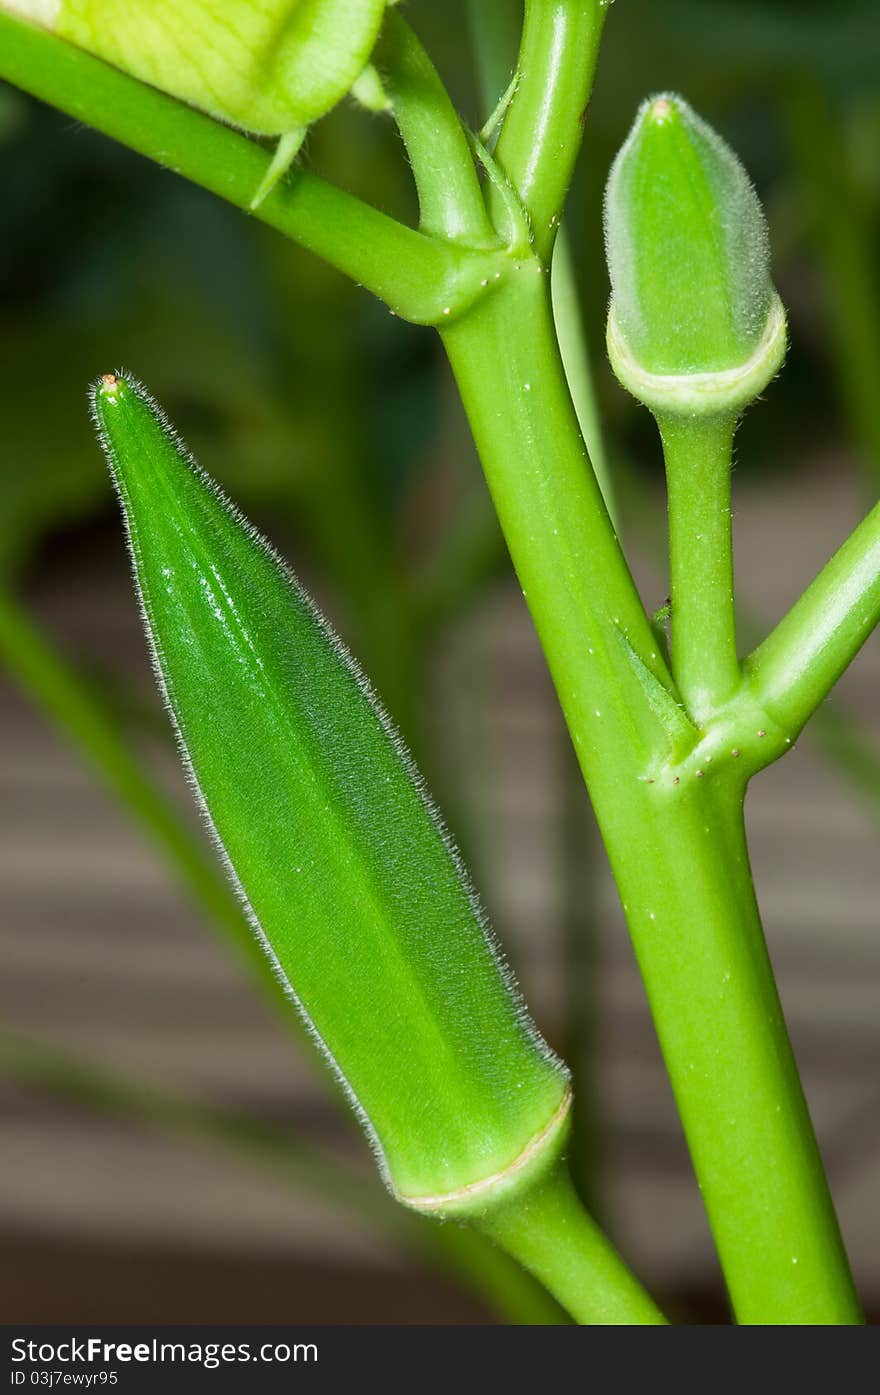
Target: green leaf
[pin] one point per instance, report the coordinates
(666, 707)
(350, 879)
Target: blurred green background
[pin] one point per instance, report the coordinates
(171, 1153)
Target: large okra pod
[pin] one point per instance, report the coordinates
(350, 879)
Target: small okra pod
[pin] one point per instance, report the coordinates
(695, 327)
(350, 879)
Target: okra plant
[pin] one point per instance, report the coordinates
(348, 875)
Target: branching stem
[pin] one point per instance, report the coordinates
(416, 275)
(450, 197)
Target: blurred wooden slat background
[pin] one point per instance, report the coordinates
(100, 954)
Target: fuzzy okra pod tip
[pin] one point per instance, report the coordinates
(346, 870)
(695, 327)
(269, 67)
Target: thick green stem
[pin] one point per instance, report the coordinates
(676, 844)
(571, 568)
(698, 474)
(686, 884)
(542, 130)
(553, 1237)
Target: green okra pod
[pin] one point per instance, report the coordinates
(695, 327)
(349, 877)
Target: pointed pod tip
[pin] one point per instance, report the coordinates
(112, 391)
(109, 389)
(663, 112)
(121, 408)
(662, 109)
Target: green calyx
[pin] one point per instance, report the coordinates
(350, 880)
(695, 326)
(482, 1196)
(723, 392)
